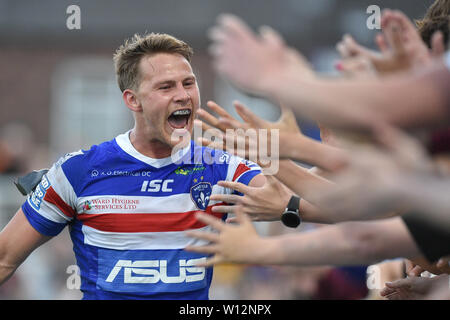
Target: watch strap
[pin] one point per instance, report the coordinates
(294, 203)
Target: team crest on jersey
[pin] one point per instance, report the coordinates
(200, 194)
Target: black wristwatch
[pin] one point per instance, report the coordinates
(291, 217)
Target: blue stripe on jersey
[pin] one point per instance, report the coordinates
(40, 223)
(86, 256)
(150, 271)
(201, 294)
(245, 179)
(95, 286)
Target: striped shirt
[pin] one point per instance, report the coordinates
(128, 213)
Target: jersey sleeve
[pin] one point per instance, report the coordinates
(241, 170)
(51, 206)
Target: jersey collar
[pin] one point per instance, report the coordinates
(125, 144)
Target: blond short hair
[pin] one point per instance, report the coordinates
(128, 56)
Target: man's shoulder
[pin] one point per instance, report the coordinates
(222, 157)
(93, 154)
(77, 167)
(213, 156)
(229, 166)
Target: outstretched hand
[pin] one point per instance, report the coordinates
(266, 203)
(237, 243)
(412, 288)
(414, 268)
(249, 60)
(231, 134)
(401, 48)
(390, 171)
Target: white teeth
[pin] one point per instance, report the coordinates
(181, 112)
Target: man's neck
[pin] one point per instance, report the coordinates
(151, 148)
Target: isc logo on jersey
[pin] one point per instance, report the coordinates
(154, 271)
(157, 185)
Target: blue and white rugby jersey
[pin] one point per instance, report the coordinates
(128, 214)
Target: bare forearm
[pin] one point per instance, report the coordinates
(325, 246)
(307, 150)
(7, 262)
(17, 240)
(406, 100)
(352, 243)
(6, 271)
(312, 213)
(425, 194)
(299, 179)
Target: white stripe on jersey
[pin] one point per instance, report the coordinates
(252, 168)
(52, 212)
(140, 240)
(233, 165)
(176, 203)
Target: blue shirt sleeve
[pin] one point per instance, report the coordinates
(40, 223)
(246, 177)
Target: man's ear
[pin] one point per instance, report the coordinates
(131, 100)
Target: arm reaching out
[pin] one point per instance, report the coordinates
(266, 203)
(17, 240)
(261, 66)
(259, 203)
(292, 143)
(392, 178)
(242, 56)
(414, 288)
(401, 47)
(341, 244)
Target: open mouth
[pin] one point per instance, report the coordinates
(180, 118)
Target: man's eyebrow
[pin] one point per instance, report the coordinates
(169, 81)
(164, 82)
(192, 77)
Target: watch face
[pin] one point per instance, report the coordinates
(291, 219)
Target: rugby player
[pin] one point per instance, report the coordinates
(129, 201)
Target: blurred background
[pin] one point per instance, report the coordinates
(58, 94)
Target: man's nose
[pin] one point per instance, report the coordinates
(182, 95)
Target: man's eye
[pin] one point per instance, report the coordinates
(164, 87)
